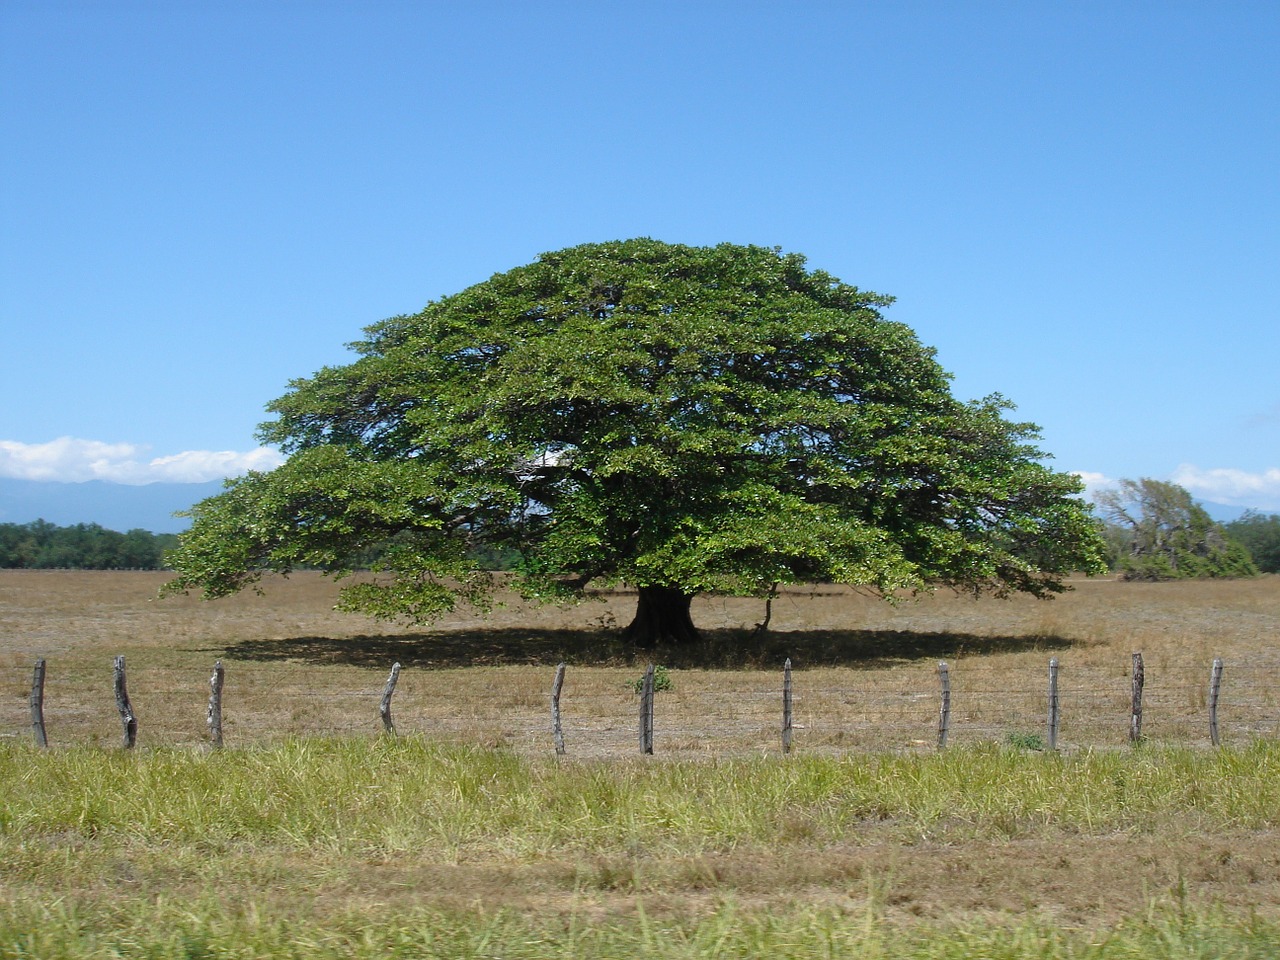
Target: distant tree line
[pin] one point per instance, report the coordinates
(1260, 534)
(41, 545)
(1156, 531)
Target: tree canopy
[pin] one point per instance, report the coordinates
(1260, 534)
(41, 545)
(1158, 532)
(680, 419)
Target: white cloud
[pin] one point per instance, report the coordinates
(1238, 488)
(70, 460)
(196, 466)
(1094, 482)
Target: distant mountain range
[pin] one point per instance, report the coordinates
(1225, 514)
(123, 507)
(116, 506)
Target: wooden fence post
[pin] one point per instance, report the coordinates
(646, 711)
(1215, 686)
(944, 713)
(557, 732)
(127, 717)
(37, 704)
(384, 708)
(1055, 714)
(1135, 713)
(214, 715)
(786, 706)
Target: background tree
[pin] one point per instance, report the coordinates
(83, 546)
(1260, 534)
(680, 419)
(1158, 532)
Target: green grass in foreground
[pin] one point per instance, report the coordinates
(171, 931)
(180, 854)
(389, 796)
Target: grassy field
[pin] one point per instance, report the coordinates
(311, 836)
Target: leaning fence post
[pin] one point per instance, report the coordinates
(214, 715)
(786, 706)
(384, 708)
(1054, 706)
(127, 718)
(944, 713)
(557, 732)
(1215, 686)
(1135, 713)
(37, 704)
(646, 711)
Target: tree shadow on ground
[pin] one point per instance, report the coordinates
(720, 649)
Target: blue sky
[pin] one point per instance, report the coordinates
(1077, 204)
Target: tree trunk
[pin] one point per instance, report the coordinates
(662, 617)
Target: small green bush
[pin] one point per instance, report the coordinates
(1025, 741)
(661, 681)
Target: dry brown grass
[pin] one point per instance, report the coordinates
(865, 669)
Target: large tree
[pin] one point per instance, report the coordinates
(1157, 531)
(680, 419)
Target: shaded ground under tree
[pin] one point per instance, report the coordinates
(719, 649)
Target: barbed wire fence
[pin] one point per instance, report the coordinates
(600, 712)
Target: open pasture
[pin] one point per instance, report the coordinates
(313, 836)
(865, 671)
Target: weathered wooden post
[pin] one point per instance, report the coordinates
(786, 706)
(1215, 686)
(646, 711)
(1135, 713)
(214, 714)
(127, 717)
(37, 704)
(944, 713)
(1054, 708)
(384, 708)
(557, 732)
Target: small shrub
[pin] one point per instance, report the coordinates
(1025, 741)
(661, 681)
